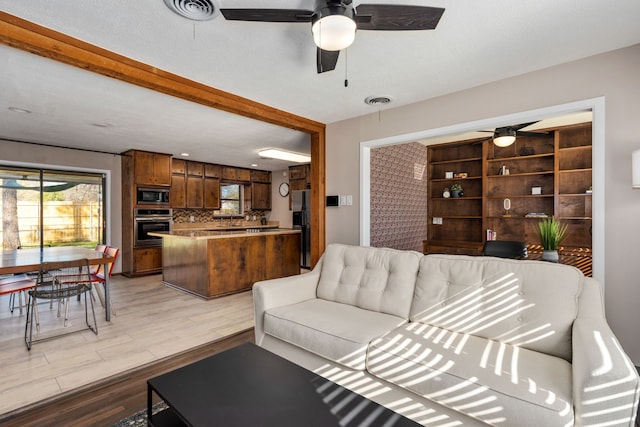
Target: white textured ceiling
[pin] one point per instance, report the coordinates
(274, 64)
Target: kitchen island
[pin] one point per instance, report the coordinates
(212, 263)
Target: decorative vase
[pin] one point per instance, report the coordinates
(551, 256)
(456, 193)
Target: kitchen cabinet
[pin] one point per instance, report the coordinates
(178, 191)
(260, 196)
(142, 169)
(299, 179)
(178, 188)
(260, 176)
(147, 260)
(211, 193)
(195, 169)
(235, 174)
(212, 171)
(151, 168)
(195, 192)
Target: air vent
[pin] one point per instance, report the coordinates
(196, 10)
(377, 100)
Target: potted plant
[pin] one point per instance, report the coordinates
(456, 190)
(552, 233)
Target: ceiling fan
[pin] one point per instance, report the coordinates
(334, 23)
(506, 135)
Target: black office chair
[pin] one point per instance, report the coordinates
(505, 249)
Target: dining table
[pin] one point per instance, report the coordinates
(28, 260)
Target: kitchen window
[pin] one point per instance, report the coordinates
(230, 200)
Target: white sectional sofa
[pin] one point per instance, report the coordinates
(454, 340)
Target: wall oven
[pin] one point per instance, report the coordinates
(152, 196)
(150, 220)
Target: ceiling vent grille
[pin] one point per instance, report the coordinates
(196, 10)
(377, 100)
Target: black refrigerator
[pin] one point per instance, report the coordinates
(301, 206)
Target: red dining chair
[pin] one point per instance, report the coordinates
(97, 277)
(16, 284)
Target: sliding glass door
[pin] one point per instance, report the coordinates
(42, 207)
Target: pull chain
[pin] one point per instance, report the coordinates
(346, 80)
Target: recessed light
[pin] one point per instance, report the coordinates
(19, 110)
(254, 165)
(184, 154)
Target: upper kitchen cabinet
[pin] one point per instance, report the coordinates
(151, 168)
(235, 174)
(178, 188)
(261, 196)
(260, 176)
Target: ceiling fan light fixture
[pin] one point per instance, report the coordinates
(333, 28)
(504, 137)
(289, 156)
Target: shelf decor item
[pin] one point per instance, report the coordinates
(506, 203)
(552, 233)
(446, 193)
(456, 190)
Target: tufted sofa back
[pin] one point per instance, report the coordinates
(376, 279)
(525, 303)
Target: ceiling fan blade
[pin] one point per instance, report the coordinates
(522, 125)
(389, 17)
(326, 60)
(267, 15)
(534, 134)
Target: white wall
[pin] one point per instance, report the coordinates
(613, 75)
(280, 205)
(64, 159)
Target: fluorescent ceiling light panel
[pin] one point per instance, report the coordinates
(289, 156)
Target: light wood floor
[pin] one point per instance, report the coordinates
(152, 321)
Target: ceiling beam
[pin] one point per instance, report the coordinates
(28, 36)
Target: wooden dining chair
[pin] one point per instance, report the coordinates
(59, 282)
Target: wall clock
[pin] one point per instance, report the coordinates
(284, 189)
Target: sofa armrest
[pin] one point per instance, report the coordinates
(278, 292)
(606, 386)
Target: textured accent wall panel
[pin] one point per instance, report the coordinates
(399, 196)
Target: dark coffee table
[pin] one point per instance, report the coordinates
(250, 386)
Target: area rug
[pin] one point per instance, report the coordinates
(139, 419)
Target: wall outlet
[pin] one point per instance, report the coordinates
(437, 220)
(192, 218)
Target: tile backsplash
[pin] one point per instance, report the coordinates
(181, 216)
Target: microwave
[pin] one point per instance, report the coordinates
(152, 196)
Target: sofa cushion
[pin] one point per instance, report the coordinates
(531, 304)
(494, 382)
(339, 332)
(375, 279)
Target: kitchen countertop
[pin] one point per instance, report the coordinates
(199, 234)
(220, 226)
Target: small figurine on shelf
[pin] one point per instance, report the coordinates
(456, 190)
(446, 193)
